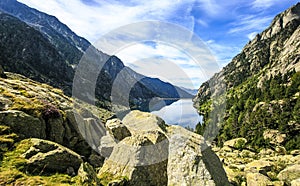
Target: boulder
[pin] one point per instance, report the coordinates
(24, 125)
(117, 129)
(55, 129)
(47, 156)
(138, 159)
(295, 182)
(157, 154)
(237, 143)
(295, 152)
(139, 122)
(274, 136)
(280, 150)
(290, 173)
(191, 161)
(255, 179)
(261, 166)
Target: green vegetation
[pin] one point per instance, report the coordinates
(13, 170)
(250, 110)
(105, 178)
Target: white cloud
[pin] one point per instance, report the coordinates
(250, 23)
(263, 4)
(94, 21)
(167, 63)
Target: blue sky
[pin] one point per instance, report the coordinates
(224, 26)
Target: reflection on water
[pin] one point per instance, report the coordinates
(180, 113)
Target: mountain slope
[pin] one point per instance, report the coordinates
(24, 50)
(262, 86)
(69, 45)
(71, 48)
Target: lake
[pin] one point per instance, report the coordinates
(180, 113)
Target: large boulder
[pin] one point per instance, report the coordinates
(191, 162)
(157, 154)
(290, 173)
(24, 125)
(143, 156)
(46, 156)
(140, 160)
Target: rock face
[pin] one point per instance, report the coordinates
(259, 88)
(47, 156)
(157, 154)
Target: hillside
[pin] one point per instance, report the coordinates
(259, 89)
(67, 49)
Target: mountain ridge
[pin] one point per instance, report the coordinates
(261, 82)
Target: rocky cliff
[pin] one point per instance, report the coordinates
(259, 89)
(251, 107)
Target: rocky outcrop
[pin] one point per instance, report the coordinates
(157, 154)
(259, 88)
(45, 156)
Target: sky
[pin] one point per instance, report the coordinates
(212, 32)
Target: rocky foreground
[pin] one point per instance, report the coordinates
(47, 138)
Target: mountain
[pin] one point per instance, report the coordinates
(69, 49)
(25, 51)
(69, 45)
(259, 89)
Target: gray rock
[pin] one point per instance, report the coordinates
(140, 160)
(24, 125)
(255, 179)
(107, 145)
(117, 129)
(290, 173)
(46, 156)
